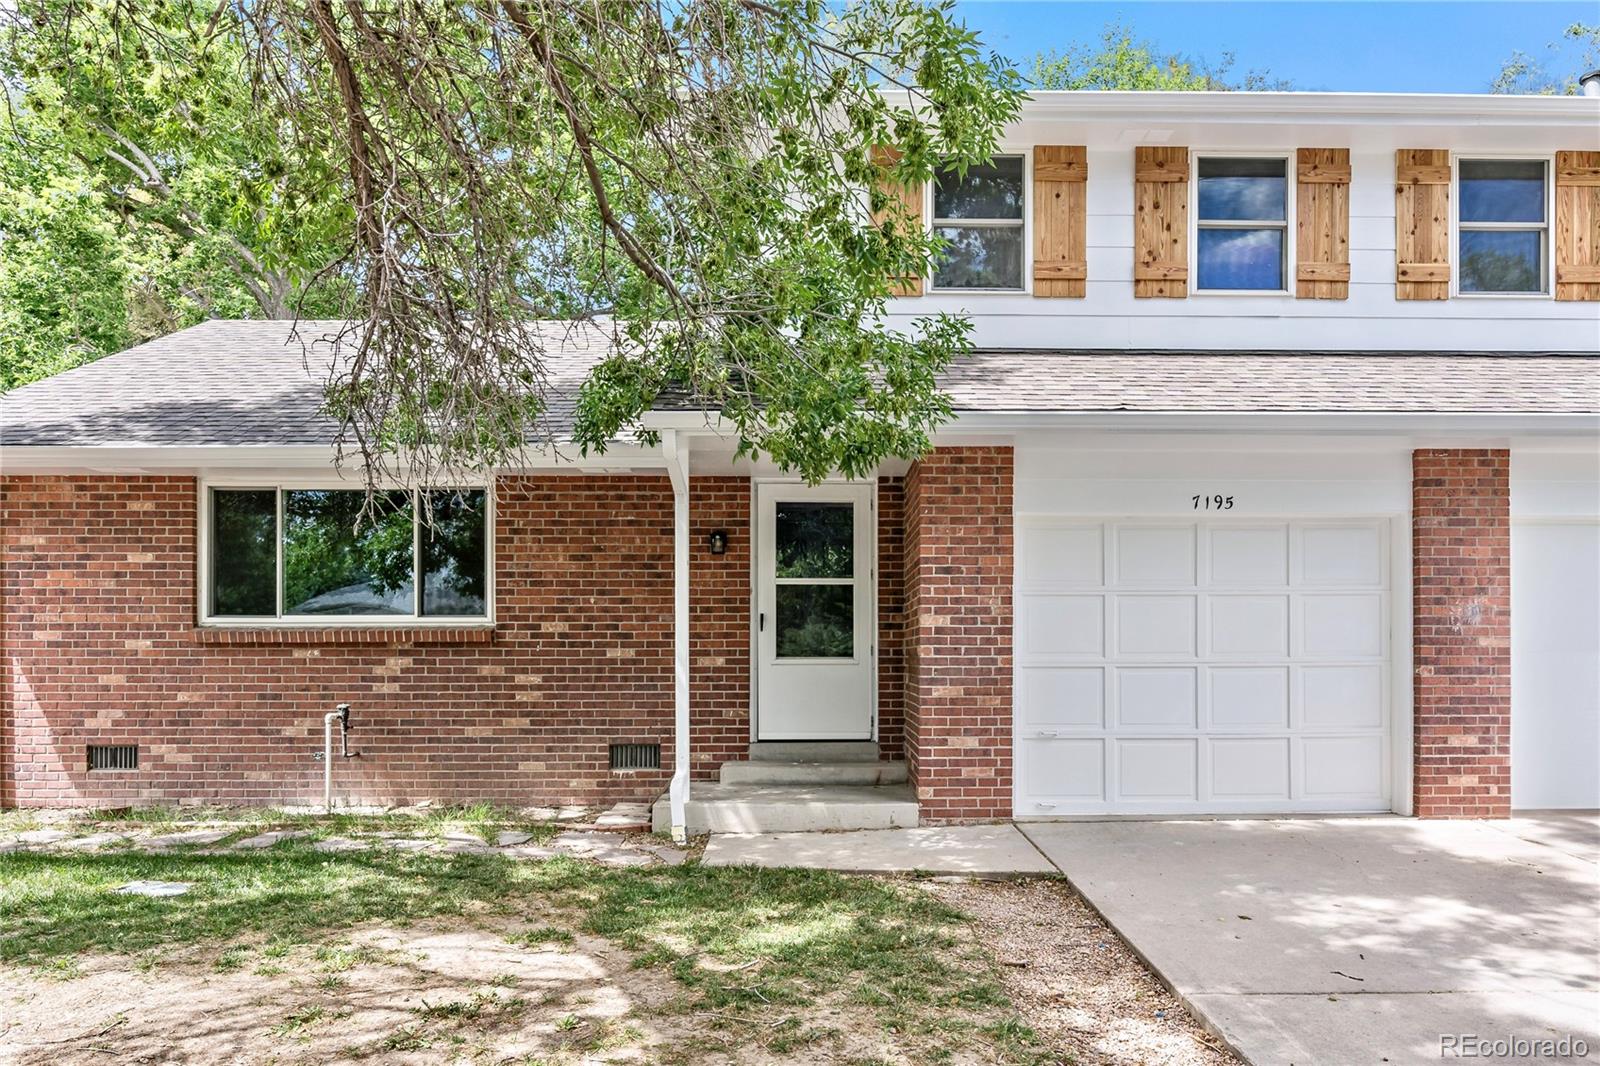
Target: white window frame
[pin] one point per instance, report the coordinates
(291, 483)
(1547, 260)
(1287, 225)
(1024, 225)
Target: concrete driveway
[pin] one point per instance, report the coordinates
(1361, 940)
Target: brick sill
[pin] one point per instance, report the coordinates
(341, 635)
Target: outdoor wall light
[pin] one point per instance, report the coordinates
(717, 541)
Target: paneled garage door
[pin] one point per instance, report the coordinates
(1202, 666)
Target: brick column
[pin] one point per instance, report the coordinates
(719, 626)
(958, 618)
(891, 617)
(1461, 605)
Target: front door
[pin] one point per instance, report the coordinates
(814, 612)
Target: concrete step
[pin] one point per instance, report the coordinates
(723, 808)
(814, 751)
(766, 772)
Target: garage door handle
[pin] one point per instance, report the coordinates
(1049, 733)
(1046, 806)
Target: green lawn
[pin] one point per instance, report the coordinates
(754, 952)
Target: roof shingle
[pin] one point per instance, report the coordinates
(235, 383)
(257, 383)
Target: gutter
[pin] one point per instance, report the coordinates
(1461, 109)
(1496, 423)
(1351, 422)
(142, 458)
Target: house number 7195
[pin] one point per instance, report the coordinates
(1213, 503)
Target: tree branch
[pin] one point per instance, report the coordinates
(580, 135)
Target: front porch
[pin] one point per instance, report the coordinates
(842, 653)
(799, 787)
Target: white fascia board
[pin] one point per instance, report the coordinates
(1466, 109)
(979, 427)
(129, 458)
(1355, 108)
(1471, 423)
(692, 421)
(136, 458)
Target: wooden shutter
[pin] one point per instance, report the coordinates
(1322, 224)
(1161, 222)
(1578, 225)
(911, 196)
(1060, 212)
(1422, 224)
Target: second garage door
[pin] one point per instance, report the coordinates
(1208, 666)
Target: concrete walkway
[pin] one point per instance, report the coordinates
(974, 850)
(1354, 941)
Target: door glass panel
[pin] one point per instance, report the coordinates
(815, 539)
(816, 621)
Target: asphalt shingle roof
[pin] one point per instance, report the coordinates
(1356, 382)
(234, 383)
(254, 383)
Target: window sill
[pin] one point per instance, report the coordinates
(343, 634)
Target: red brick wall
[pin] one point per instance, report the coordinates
(891, 620)
(719, 623)
(1461, 601)
(97, 576)
(958, 566)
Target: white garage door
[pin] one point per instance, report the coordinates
(1555, 664)
(1215, 666)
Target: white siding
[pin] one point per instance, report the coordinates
(1110, 317)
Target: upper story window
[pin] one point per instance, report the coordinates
(979, 214)
(309, 554)
(1502, 226)
(1242, 224)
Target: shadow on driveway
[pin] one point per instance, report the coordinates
(1360, 940)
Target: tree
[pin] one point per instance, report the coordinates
(699, 178)
(63, 278)
(1122, 61)
(1523, 74)
(140, 173)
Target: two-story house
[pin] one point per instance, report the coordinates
(1273, 487)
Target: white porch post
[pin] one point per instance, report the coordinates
(678, 471)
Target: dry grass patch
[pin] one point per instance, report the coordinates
(294, 955)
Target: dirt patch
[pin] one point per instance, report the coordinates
(436, 992)
(443, 990)
(1076, 983)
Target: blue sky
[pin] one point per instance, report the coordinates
(1373, 46)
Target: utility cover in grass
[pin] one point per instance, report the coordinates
(156, 888)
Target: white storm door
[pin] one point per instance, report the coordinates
(814, 612)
